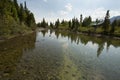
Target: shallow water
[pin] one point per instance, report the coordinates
(53, 55)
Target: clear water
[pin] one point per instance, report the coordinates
(53, 55)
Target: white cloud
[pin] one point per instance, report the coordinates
(98, 13)
(115, 12)
(95, 13)
(45, 0)
(68, 8)
(101, 12)
(62, 12)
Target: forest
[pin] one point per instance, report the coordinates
(15, 18)
(86, 25)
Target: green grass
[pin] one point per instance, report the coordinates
(86, 29)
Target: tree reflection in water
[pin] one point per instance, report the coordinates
(84, 39)
(12, 50)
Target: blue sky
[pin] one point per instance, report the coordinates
(51, 10)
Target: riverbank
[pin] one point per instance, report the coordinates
(88, 33)
(7, 37)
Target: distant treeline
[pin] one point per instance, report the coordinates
(86, 25)
(15, 18)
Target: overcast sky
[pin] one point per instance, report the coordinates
(67, 9)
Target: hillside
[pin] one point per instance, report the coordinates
(15, 19)
(114, 18)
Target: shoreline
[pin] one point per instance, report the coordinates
(4, 38)
(98, 35)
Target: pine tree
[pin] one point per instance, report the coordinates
(30, 20)
(76, 24)
(106, 23)
(63, 21)
(11, 14)
(70, 24)
(16, 5)
(51, 25)
(113, 26)
(14, 13)
(57, 23)
(73, 24)
(43, 23)
(87, 21)
(25, 7)
(81, 19)
(21, 12)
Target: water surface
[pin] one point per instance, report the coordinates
(53, 55)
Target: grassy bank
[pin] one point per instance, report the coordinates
(15, 19)
(98, 32)
(13, 29)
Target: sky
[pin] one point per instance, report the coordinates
(51, 10)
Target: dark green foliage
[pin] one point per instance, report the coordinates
(43, 24)
(106, 23)
(57, 23)
(75, 24)
(81, 19)
(16, 6)
(12, 16)
(63, 21)
(118, 22)
(25, 7)
(14, 13)
(70, 24)
(38, 25)
(113, 26)
(30, 20)
(51, 25)
(21, 14)
(87, 21)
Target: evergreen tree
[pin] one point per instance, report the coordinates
(73, 24)
(14, 13)
(63, 21)
(30, 20)
(87, 21)
(70, 24)
(21, 12)
(76, 24)
(16, 5)
(81, 19)
(113, 26)
(11, 14)
(106, 23)
(38, 24)
(57, 23)
(43, 23)
(25, 7)
(118, 23)
(51, 25)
